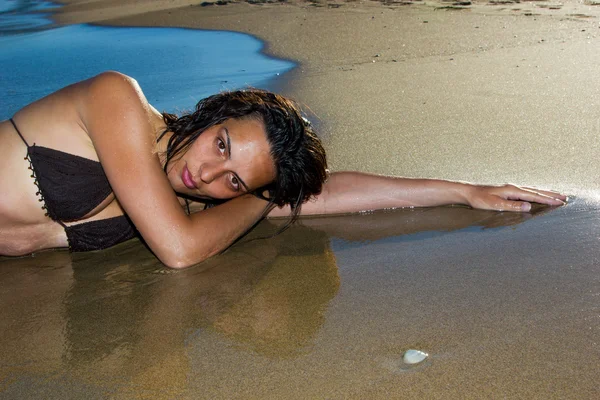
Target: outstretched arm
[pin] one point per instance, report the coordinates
(346, 192)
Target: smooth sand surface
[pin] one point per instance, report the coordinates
(507, 305)
(489, 93)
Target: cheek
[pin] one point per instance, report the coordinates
(200, 149)
(172, 173)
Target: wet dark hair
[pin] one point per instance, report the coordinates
(297, 152)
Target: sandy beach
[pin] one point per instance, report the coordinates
(486, 93)
(507, 305)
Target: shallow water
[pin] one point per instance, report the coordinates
(327, 308)
(175, 67)
(22, 16)
(507, 306)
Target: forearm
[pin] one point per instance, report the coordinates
(347, 192)
(211, 231)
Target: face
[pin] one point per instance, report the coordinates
(225, 161)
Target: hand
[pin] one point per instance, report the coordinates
(511, 198)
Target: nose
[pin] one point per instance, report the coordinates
(209, 172)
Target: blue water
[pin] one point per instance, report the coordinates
(175, 67)
(21, 16)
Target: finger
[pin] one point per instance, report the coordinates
(515, 193)
(512, 205)
(537, 198)
(550, 193)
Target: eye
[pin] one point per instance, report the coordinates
(235, 183)
(221, 146)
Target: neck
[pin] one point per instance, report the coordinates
(160, 146)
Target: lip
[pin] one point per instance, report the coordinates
(186, 178)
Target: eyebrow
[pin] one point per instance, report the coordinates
(228, 140)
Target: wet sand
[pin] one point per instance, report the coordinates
(507, 305)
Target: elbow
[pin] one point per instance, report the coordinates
(181, 249)
(176, 263)
(179, 261)
(181, 258)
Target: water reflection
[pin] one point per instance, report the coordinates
(416, 224)
(90, 315)
(32, 326)
(113, 321)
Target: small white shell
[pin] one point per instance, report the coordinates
(414, 356)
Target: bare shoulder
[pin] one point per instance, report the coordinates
(112, 82)
(61, 120)
(113, 104)
(111, 90)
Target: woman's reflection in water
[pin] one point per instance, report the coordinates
(120, 322)
(32, 326)
(283, 312)
(137, 318)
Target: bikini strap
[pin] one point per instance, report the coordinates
(17, 129)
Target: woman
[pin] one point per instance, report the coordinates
(94, 163)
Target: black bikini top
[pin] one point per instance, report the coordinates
(69, 187)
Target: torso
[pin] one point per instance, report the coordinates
(53, 122)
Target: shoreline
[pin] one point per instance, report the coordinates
(506, 304)
(429, 74)
(280, 83)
